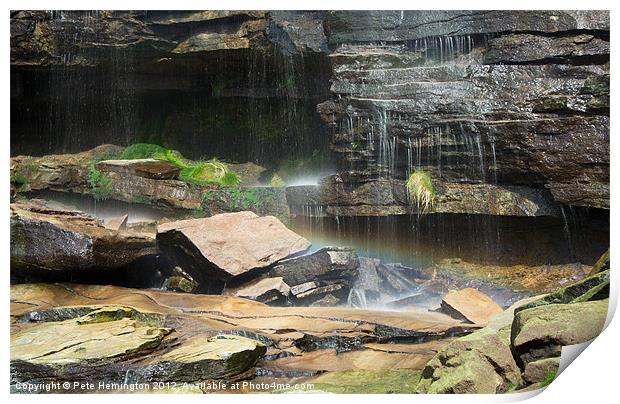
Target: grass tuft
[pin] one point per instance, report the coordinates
(421, 190)
(549, 378)
(200, 173)
(100, 183)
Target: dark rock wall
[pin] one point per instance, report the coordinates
(238, 85)
(508, 98)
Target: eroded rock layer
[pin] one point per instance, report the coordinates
(162, 336)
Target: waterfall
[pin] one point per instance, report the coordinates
(494, 161)
(357, 298)
(444, 48)
(409, 157)
(387, 144)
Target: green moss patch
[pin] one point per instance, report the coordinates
(200, 172)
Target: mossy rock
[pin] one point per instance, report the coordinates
(593, 287)
(388, 381)
(602, 264)
(558, 324)
(478, 363)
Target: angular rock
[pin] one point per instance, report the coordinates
(52, 239)
(537, 371)
(222, 247)
(266, 290)
(326, 264)
(329, 271)
(556, 324)
(400, 279)
(470, 305)
(481, 362)
(336, 291)
(79, 340)
(147, 168)
(602, 264)
(116, 223)
(200, 358)
(121, 344)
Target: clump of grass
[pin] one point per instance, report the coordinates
(199, 173)
(100, 183)
(173, 157)
(421, 190)
(208, 172)
(549, 378)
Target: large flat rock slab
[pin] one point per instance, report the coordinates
(229, 245)
(85, 338)
(117, 343)
(471, 305)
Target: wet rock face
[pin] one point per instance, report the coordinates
(489, 105)
(169, 75)
(516, 98)
(47, 239)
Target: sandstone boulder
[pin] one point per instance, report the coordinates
(593, 287)
(200, 358)
(219, 248)
(267, 290)
(536, 330)
(481, 362)
(470, 305)
(79, 339)
(537, 371)
(116, 223)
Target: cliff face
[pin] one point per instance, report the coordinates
(474, 97)
(233, 84)
(499, 102)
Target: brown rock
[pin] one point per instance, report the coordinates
(470, 305)
(229, 245)
(48, 239)
(537, 371)
(147, 168)
(262, 290)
